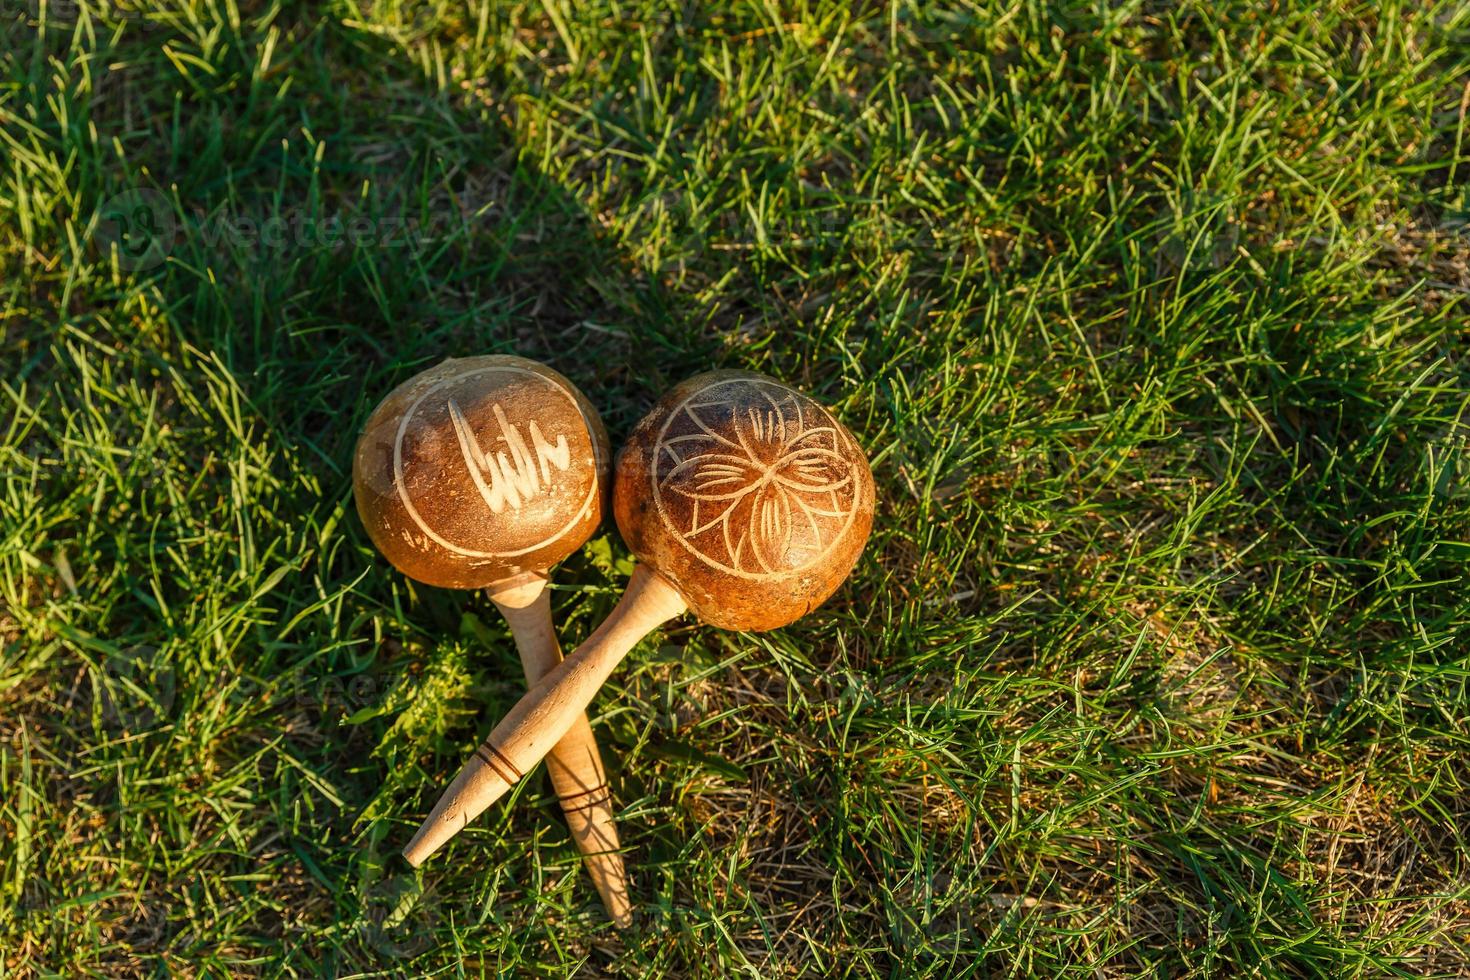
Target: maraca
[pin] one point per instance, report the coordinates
(483, 472)
(745, 501)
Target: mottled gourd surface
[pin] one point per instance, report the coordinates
(480, 468)
(747, 496)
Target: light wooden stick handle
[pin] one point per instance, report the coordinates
(574, 763)
(540, 718)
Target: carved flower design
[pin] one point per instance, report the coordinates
(766, 486)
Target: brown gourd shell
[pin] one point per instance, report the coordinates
(749, 497)
(481, 468)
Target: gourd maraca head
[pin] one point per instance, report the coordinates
(747, 496)
(481, 468)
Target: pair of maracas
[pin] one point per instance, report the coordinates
(745, 502)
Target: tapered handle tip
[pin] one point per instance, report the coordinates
(420, 848)
(612, 884)
(596, 834)
(478, 785)
(431, 836)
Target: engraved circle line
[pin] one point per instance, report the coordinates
(673, 527)
(496, 759)
(423, 525)
(568, 807)
(583, 792)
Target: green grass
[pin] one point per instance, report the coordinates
(1151, 316)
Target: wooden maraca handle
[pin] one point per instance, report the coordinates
(546, 712)
(574, 763)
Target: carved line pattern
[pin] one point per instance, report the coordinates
(517, 477)
(587, 800)
(758, 481)
(508, 482)
(497, 761)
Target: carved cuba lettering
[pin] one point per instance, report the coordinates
(506, 482)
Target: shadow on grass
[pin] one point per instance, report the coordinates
(296, 237)
(333, 240)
